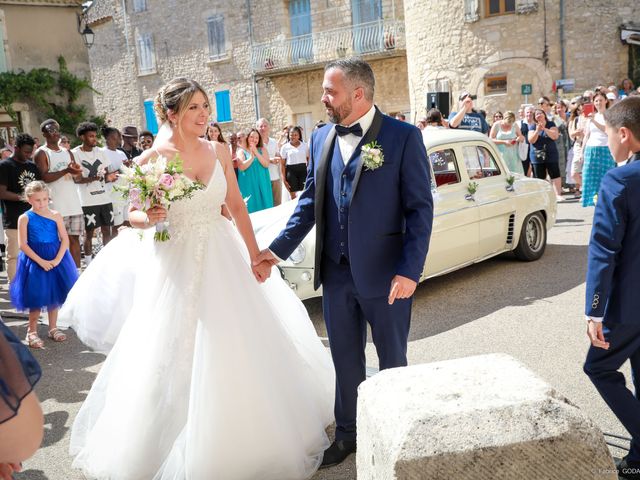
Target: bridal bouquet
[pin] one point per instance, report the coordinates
(157, 183)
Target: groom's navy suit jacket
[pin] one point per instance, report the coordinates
(613, 271)
(378, 220)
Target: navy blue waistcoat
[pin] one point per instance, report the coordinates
(336, 208)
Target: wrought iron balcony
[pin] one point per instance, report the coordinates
(379, 38)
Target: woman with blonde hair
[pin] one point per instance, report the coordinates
(506, 134)
(214, 375)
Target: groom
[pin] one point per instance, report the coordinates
(372, 232)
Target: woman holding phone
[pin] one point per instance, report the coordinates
(506, 134)
(543, 153)
(597, 157)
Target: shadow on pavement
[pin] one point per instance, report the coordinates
(452, 300)
(31, 475)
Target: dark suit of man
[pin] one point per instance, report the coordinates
(370, 226)
(613, 278)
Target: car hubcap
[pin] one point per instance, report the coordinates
(535, 233)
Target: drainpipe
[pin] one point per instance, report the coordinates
(126, 25)
(254, 82)
(562, 52)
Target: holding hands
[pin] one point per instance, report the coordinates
(261, 265)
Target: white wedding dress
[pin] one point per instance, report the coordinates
(212, 376)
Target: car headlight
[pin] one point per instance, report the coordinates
(298, 255)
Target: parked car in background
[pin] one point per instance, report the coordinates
(481, 210)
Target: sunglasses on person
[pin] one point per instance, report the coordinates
(51, 128)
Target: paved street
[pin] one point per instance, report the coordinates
(532, 311)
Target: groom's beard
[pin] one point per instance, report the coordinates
(337, 114)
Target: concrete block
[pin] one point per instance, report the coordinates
(484, 417)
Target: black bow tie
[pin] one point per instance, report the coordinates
(354, 129)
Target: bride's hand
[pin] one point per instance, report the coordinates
(262, 271)
(156, 215)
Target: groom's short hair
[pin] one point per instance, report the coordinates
(358, 72)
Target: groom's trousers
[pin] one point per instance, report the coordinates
(346, 315)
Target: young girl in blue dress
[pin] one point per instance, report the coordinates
(45, 272)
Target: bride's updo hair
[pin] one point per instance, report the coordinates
(176, 96)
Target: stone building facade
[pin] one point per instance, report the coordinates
(254, 58)
(492, 54)
(33, 33)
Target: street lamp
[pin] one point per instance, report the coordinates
(87, 36)
(87, 33)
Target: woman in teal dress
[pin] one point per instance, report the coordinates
(253, 174)
(506, 134)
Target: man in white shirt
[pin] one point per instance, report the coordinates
(264, 128)
(94, 195)
(58, 168)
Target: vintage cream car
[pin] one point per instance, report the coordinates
(481, 210)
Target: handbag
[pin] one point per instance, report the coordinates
(541, 155)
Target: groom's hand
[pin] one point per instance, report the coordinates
(401, 287)
(265, 256)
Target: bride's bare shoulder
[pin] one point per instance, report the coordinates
(146, 156)
(154, 152)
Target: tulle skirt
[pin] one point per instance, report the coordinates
(19, 372)
(33, 287)
(212, 376)
(97, 315)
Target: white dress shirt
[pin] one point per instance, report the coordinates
(349, 142)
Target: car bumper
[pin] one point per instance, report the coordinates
(300, 280)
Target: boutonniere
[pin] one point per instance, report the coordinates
(372, 156)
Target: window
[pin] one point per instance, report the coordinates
(499, 7)
(139, 5)
(300, 22)
(495, 84)
(479, 162)
(366, 16)
(146, 55)
(223, 106)
(444, 167)
(215, 31)
(150, 117)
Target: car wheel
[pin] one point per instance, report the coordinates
(533, 238)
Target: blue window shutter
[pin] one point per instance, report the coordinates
(150, 116)
(223, 106)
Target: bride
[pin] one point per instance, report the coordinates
(213, 375)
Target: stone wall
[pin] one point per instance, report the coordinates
(283, 97)
(441, 45)
(26, 48)
(181, 49)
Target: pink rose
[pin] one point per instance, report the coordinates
(134, 197)
(166, 180)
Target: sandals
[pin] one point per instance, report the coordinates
(34, 341)
(56, 335)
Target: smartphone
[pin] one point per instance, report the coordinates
(587, 109)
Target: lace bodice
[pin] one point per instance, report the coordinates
(193, 216)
